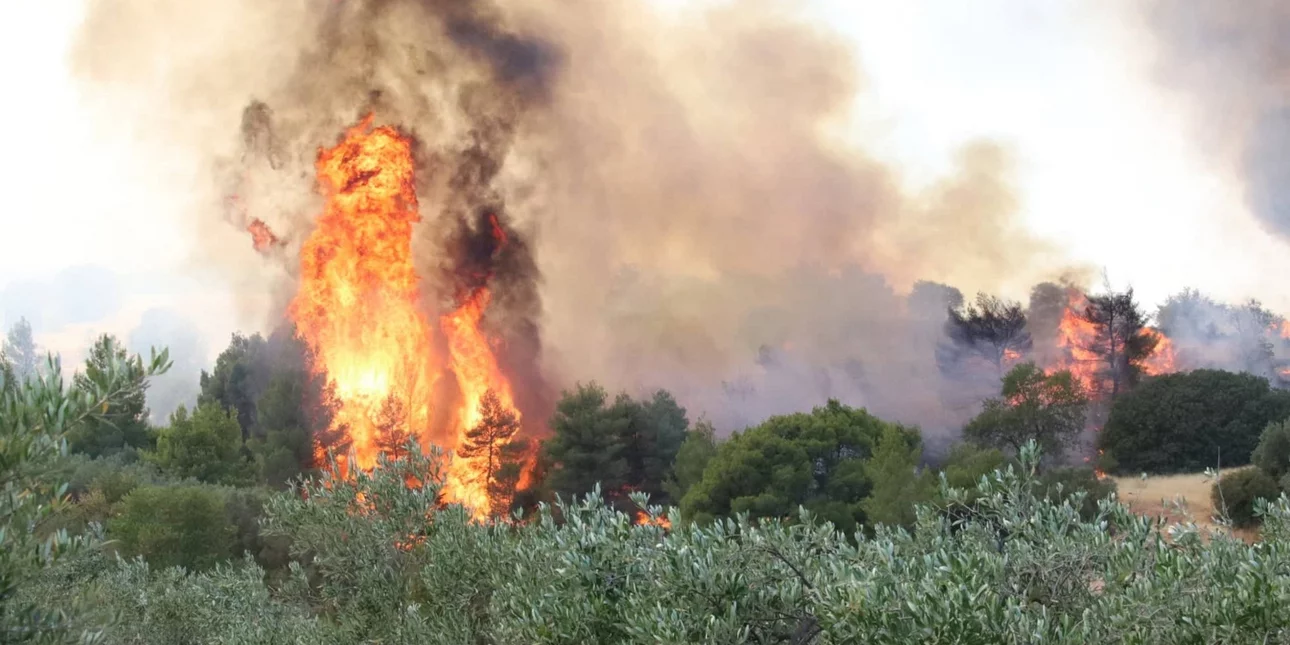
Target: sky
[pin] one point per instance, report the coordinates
(1105, 165)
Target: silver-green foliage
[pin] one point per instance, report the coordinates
(385, 563)
(35, 414)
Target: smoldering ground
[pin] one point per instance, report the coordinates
(694, 219)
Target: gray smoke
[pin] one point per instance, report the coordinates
(1232, 59)
(696, 222)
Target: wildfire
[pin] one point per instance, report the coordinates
(358, 309)
(643, 519)
(1163, 360)
(262, 236)
(1076, 337)
(476, 368)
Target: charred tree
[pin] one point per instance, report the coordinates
(992, 328)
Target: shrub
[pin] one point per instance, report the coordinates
(1190, 421)
(1235, 492)
(1017, 569)
(968, 463)
(1073, 481)
(1273, 452)
(816, 460)
(205, 445)
(179, 525)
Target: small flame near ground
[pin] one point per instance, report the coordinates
(358, 310)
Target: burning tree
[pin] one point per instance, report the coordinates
(392, 428)
(992, 328)
(499, 461)
(1121, 340)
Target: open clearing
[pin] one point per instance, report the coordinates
(1152, 496)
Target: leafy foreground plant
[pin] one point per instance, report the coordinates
(385, 564)
(36, 412)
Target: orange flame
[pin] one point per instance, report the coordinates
(476, 368)
(643, 519)
(358, 311)
(1163, 359)
(262, 237)
(1075, 336)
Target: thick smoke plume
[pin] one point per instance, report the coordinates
(1233, 60)
(689, 213)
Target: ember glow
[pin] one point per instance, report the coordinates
(359, 310)
(262, 237)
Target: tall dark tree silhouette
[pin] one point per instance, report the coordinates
(1122, 341)
(991, 328)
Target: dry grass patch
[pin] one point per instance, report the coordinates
(1151, 497)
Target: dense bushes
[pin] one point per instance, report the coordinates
(1018, 569)
(817, 460)
(1272, 455)
(1191, 421)
(1234, 494)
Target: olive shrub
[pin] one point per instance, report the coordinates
(380, 559)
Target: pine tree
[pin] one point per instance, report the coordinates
(20, 350)
(123, 421)
(501, 490)
(992, 328)
(392, 431)
(1122, 340)
(486, 441)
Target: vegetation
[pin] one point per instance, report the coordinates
(992, 329)
(1191, 421)
(206, 446)
(818, 527)
(1045, 408)
(1272, 455)
(123, 423)
(1122, 341)
(620, 446)
(820, 461)
(35, 416)
(1017, 569)
(1237, 494)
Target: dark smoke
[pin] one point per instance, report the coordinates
(676, 181)
(1232, 59)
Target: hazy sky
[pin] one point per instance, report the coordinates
(1106, 167)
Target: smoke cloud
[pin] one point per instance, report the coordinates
(691, 217)
(1233, 61)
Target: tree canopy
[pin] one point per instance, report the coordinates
(817, 460)
(123, 422)
(19, 348)
(1190, 421)
(624, 445)
(1122, 340)
(205, 445)
(1049, 409)
(992, 328)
